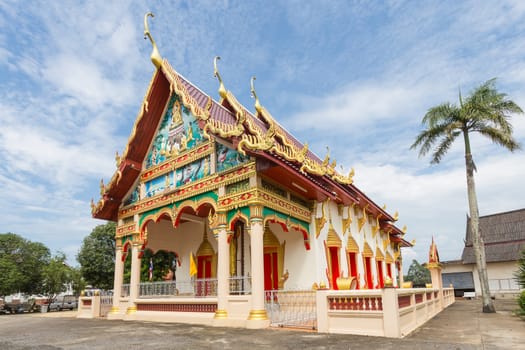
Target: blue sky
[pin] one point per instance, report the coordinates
(356, 76)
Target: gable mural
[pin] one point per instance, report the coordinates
(178, 132)
(228, 158)
(133, 197)
(193, 171)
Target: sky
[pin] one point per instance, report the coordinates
(356, 76)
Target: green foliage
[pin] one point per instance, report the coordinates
(21, 264)
(485, 111)
(77, 282)
(97, 256)
(520, 274)
(55, 276)
(521, 303)
(162, 262)
(418, 274)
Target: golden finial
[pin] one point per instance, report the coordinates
(222, 89)
(404, 229)
(254, 95)
(117, 159)
(327, 157)
(396, 216)
(93, 206)
(155, 54)
(102, 187)
(384, 206)
(413, 242)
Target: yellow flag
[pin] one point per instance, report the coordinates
(193, 266)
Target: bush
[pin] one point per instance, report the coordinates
(521, 303)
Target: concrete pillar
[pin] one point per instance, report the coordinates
(391, 322)
(222, 275)
(117, 284)
(437, 281)
(135, 278)
(257, 317)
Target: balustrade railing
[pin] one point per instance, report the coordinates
(291, 308)
(240, 285)
(190, 288)
(124, 291)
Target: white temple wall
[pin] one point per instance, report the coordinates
(183, 240)
(297, 260)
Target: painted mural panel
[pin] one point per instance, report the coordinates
(179, 131)
(133, 197)
(228, 158)
(193, 171)
(158, 185)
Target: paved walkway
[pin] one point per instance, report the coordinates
(461, 326)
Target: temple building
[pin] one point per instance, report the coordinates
(241, 207)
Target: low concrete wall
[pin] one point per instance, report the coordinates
(386, 312)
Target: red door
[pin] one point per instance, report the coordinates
(271, 276)
(203, 272)
(368, 268)
(380, 280)
(334, 261)
(353, 264)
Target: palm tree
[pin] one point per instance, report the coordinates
(487, 112)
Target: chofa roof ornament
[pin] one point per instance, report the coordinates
(216, 74)
(155, 54)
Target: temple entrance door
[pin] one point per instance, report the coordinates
(368, 268)
(203, 286)
(380, 280)
(271, 272)
(334, 264)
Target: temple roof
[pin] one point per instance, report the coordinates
(257, 134)
(503, 235)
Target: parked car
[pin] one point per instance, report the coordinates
(66, 302)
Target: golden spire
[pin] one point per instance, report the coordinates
(222, 89)
(155, 54)
(254, 95)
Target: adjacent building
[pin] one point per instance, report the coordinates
(504, 238)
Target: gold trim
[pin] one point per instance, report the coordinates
(257, 315)
(155, 54)
(351, 245)
(362, 220)
(131, 310)
(220, 314)
(367, 251)
(114, 310)
(320, 222)
(206, 184)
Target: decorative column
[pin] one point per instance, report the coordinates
(435, 271)
(135, 278)
(257, 317)
(117, 284)
(219, 231)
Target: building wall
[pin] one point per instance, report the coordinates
(501, 275)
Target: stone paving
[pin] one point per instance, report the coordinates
(461, 326)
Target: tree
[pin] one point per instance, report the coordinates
(520, 274)
(97, 256)
(21, 263)
(418, 274)
(520, 277)
(487, 112)
(56, 276)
